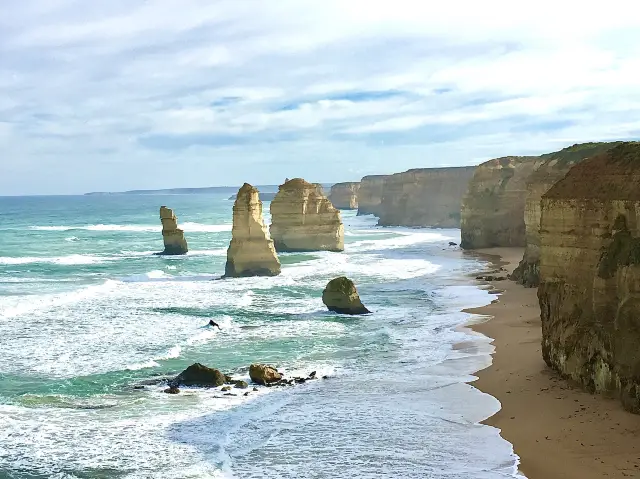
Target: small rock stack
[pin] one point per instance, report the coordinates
(174, 242)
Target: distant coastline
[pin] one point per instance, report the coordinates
(230, 190)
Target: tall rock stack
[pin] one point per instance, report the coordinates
(303, 219)
(549, 169)
(344, 196)
(251, 251)
(590, 274)
(424, 197)
(174, 242)
(370, 194)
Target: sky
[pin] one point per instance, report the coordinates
(112, 95)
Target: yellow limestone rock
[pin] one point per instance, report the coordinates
(590, 274)
(174, 242)
(251, 251)
(370, 194)
(424, 197)
(344, 196)
(303, 219)
(548, 170)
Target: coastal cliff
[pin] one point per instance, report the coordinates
(589, 290)
(492, 212)
(303, 219)
(173, 237)
(370, 194)
(251, 251)
(424, 197)
(344, 196)
(548, 170)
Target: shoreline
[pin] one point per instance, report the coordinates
(557, 429)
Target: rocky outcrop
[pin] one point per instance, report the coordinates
(492, 212)
(199, 376)
(341, 296)
(548, 169)
(344, 196)
(263, 374)
(424, 197)
(590, 274)
(303, 219)
(174, 242)
(251, 251)
(262, 196)
(370, 194)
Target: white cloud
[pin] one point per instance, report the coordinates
(388, 85)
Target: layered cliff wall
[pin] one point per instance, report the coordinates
(370, 194)
(548, 170)
(590, 274)
(303, 219)
(344, 196)
(251, 251)
(492, 212)
(425, 197)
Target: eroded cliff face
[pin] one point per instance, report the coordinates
(548, 170)
(370, 194)
(344, 196)
(303, 219)
(173, 237)
(492, 212)
(425, 197)
(590, 274)
(251, 251)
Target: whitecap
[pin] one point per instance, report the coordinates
(73, 259)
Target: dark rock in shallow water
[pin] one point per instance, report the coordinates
(172, 390)
(263, 374)
(341, 296)
(199, 375)
(246, 394)
(241, 384)
(255, 389)
(226, 388)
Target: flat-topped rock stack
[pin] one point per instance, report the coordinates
(303, 219)
(370, 194)
(344, 196)
(174, 241)
(590, 274)
(251, 251)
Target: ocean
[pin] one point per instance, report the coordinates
(88, 312)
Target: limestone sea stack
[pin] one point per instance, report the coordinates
(174, 242)
(251, 252)
(548, 170)
(303, 219)
(344, 196)
(590, 274)
(425, 197)
(341, 296)
(370, 194)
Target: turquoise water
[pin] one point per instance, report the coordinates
(87, 312)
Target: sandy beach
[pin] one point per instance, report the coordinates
(558, 430)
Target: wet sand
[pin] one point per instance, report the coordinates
(558, 430)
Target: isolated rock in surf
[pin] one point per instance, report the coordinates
(251, 251)
(303, 219)
(174, 242)
(263, 374)
(341, 296)
(200, 376)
